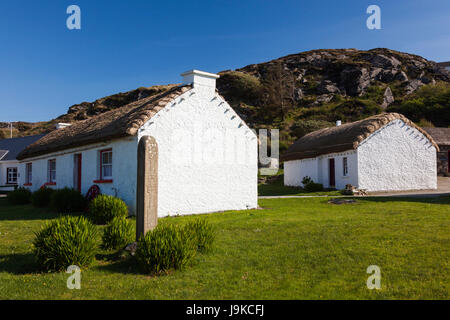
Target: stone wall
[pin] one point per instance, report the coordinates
(442, 161)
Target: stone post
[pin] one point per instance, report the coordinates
(147, 186)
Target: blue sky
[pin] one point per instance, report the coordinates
(122, 45)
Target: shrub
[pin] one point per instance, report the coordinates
(306, 180)
(165, 247)
(19, 196)
(314, 187)
(64, 242)
(104, 208)
(202, 233)
(310, 186)
(41, 198)
(67, 201)
(118, 234)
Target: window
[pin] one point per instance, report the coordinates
(345, 166)
(28, 173)
(106, 164)
(11, 175)
(52, 171)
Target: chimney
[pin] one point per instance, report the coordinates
(200, 79)
(338, 123)
(61, 125)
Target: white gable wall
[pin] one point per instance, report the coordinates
(198, 171)
(397, 157)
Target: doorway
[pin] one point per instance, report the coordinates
(77, 172)
(332, 172)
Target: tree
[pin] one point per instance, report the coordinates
(279, 89)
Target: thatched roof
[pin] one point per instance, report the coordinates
(344, 137)
(116, 123)
(440, 135)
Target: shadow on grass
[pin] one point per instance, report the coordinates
(118, 264)
(19, 263)
(429, 199)
(25, 212)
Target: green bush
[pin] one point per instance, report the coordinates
(314, 187)
(310, 186)
(165, 247)
(19, 196)
(104, 208)
(41, 198)
(67, 201)
(66, 241)
(118, 234)
(202, 233)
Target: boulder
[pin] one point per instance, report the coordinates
(388, 98)
(413, 85)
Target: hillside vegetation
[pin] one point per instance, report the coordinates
(307, 91)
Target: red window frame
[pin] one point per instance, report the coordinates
(103, 179)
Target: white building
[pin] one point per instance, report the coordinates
(207, 156)
(385, 152)
(9, 149)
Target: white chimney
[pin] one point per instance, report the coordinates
(338, 123)
(62, 125)
(200, 79)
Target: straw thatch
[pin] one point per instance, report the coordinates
(344, 137)
(117, 123)
(440, 135)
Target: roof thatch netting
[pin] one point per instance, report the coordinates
(344, 137)
(116, 123)
(440, 135)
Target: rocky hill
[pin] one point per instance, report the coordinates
(309, 90)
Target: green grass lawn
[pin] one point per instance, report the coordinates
(292, 249)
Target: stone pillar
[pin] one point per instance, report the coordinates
(147, 186)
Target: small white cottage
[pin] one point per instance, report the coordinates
(9, 150)
(207, 156)
(386, 152)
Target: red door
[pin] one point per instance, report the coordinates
(77, 172)
(332, 174)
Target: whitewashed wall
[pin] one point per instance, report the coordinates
(296, 170)
(124, 169)
(318, 170)
(397, 157)
(198, 170)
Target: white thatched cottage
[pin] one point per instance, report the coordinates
(207, 156)
(381, 153)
